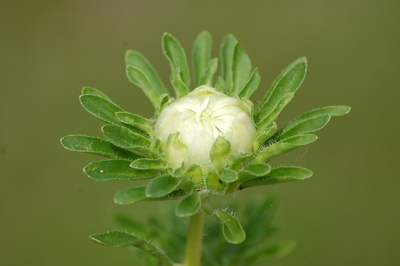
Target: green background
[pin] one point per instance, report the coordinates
(346, 214)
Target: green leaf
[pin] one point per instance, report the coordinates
(251, 85)
(210, 72)
(137, 77)
(188, 206)
(174, 195)
(175, 148)
(283, 146)
(286, 84)
(164, 99)
(121, 239)
(176, 57)
(250, 172)
(115, 170)
(227, 50)
(257, 169)
(161, 186)
(220, 85)
(145, 163)
(228, 176)
(280, 175)
(195, 174)
(100, 107)
(180, 87)
(275, 111)
(264, 134)
(213, 182)
(311, 121)
(220, 152)
(93, 91)
(201, 55)
(236, 160)
(130, 195)
(98, 146)
(136, 59)
(231, 228)
(241, 69)
(123, 137)
(179, 172)
(136, 121)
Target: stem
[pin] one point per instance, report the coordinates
(194, 239)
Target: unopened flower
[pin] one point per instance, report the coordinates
(195, 121)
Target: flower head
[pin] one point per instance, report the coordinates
(200, 118)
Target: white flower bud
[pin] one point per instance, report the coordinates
(199, 118)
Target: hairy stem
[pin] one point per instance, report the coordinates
(194, 240)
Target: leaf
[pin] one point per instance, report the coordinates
(264, 134)
(228, 176)
(220, 85)
(164, 100)
(100, 107)
(161, 186)
(180, 87)
(213, 182)
(219, 152)
(123, 137)
(284, 146)
(257, 169)
(93, 91)
(136, 59)
(231, 228)
(98, 146)
(130, 195)
(121, 239)
(210, 72)
(236, 160)
(188, 206)
(174, 195)
(195, 173)
(115, 170)
(275, 111)
(241, 68)
(280, 175)
(137, 77)
(227, 50)
(249, 172)
(287, 83)
(176, 57)
(145, 163)
(175, 148)
(136, 121)
(311, 121)
(201, 56)
(251, 85)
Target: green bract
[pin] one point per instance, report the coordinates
(206, 139)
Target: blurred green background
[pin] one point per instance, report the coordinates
(346, 214)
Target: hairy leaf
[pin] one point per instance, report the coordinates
(176, 57)
(115, 170)
(188, 206)
(136, 59)
(121, 239)
(100, 107)
(280, 175)
(81, 143)
(201, 56)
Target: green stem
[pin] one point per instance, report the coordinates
(194, 240)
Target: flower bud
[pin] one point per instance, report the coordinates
(188, 127)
